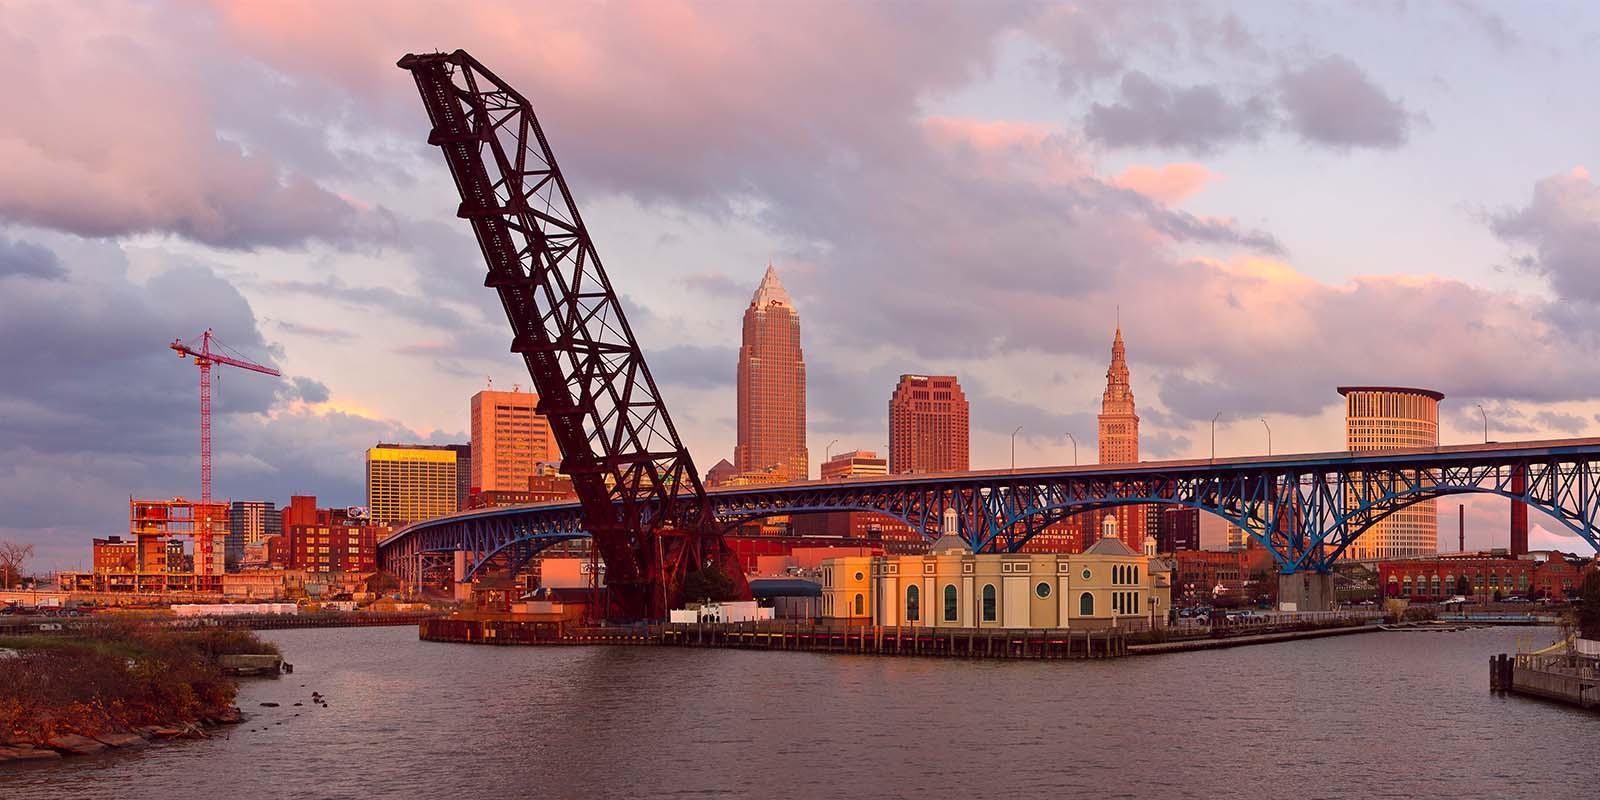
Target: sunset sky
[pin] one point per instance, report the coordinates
(1281, 197)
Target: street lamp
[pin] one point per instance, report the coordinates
(1214, 436)
(827, 452)
(1014, 446)
(1485, 422)
(1269, 435)
(1074, 449)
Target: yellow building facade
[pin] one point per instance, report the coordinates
(1108, 585)
(410, 484)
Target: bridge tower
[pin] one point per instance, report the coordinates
(642, 502)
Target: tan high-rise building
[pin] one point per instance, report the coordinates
(772, 388)
(509, 441)
(929, 427)
(1119, 444)
(1388, 418)
(410, 483)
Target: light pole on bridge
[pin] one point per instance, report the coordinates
(1074, 449)
(1214, 436)
(1485, 422)
(827, 451)
(1269, 435)
(1014, 446)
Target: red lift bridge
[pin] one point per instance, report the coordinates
(641, 498)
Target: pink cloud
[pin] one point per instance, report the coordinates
(1168, 183)
(114, 131)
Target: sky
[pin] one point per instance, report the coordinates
(1275, 198)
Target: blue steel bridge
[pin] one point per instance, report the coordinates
(1306, 509)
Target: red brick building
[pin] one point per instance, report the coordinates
(327, 548)
(1487, 575)
(1201, 574)
(929, 426)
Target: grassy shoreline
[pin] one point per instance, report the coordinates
(113, 685)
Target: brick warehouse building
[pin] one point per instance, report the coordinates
(1487, 574)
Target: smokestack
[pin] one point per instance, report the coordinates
(1461, 527)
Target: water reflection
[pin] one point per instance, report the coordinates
(1381, 715)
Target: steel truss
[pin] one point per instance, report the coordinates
(1305, 510)
(641, 497)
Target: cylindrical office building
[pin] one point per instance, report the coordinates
(1394, 418)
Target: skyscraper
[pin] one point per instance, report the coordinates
(1119, 443)
(409, 483)
(509, 440)
(250, 521)
(1386, 418)
(928, 425)
(771, 387)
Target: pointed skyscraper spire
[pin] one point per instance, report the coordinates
(770, 291)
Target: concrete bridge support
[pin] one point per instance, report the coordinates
(1305, 591)
(463, 586)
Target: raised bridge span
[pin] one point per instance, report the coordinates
(1306, 508)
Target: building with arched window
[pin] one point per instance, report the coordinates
(1108, 585)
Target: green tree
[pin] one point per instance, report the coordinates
(707, 584)
(1589, 612)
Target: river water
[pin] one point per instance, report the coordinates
(1375, 715)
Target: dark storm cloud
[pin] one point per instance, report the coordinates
(308, 390)
(22, 259)
(1199, 119)
(105, 410)
(1333, 102)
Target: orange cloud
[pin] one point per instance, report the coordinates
(1168, 183)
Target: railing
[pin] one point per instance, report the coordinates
(1570, 664)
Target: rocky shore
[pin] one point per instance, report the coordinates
(116, 687)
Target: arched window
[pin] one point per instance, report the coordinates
(988, 603)
(1086, 605)
(913, 603)
(861, 605)
(1135, 573)
(1116, 574)
(950, 602)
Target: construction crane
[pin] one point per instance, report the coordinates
(643, 504)
(204, 358)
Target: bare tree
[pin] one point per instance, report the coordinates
(12, 556)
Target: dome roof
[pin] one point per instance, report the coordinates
(950, 543)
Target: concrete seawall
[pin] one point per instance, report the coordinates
(1565, 678)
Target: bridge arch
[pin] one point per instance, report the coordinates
(1368, 514)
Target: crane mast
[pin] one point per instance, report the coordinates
(205, 359)
(643, 504)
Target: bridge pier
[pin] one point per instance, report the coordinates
(1305, 591)
(463, 587)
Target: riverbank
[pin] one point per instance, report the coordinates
(115, 687)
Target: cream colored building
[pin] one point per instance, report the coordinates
(949, 587)
(1389, 418)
